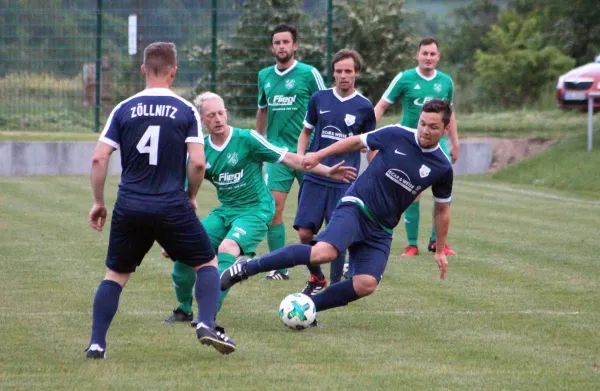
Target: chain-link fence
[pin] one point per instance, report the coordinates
(50, 52)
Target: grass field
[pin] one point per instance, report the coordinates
(519, 310)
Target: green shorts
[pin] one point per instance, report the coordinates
(245, 226)
(281, 178)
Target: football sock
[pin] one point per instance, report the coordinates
(276, 240)
(316, 271)
(225, 260)
(335, 295)
(184, 278)
(106, 303)
(336, 269)
(432, 237)
(411, 223)
(289, 256)
(208, 288)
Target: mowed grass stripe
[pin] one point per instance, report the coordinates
(518, 311)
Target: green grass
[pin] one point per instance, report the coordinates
(519, 310)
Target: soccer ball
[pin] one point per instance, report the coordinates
(297, 311)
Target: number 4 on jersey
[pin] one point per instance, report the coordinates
(152, 148)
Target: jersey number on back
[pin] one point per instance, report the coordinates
(150, 134)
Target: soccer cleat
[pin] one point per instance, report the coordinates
(95, 352)
(233, 274)
(215, 337)
(447, 249)
(410, 251)
(194, 323)
(179, 316)
(314, 285)
(277, 275)
(346, 271)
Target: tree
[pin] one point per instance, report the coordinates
(517, 64)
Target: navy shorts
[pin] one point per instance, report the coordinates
(316, 202)
(368, 245)
(176, 228)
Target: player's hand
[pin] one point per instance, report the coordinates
(454, 152)
(440, 259)
(164, 253)
(97, 217)
(194, 203)
(342, 173)
(310, 160)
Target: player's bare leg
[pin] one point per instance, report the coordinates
(317, 281)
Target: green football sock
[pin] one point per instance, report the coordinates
(411, 223)
(276, 239)
(184, 278)
(225, 261)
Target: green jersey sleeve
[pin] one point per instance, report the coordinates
(316, 81)
(262, 96)
(264, 151)
(395, 90)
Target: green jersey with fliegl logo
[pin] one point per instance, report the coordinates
(413, 90)
(286, 95)
(235, 168)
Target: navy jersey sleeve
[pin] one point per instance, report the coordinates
(379, 139)
(111, 134)
(370, 122)
(442, 189)
(194, 132)
(310, 120)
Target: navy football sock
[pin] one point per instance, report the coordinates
(208, 290)
(336, 295)
(289, 256)
(106, 303)
(336, 269)
(315, 270)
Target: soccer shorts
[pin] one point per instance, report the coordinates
(368, 245)
(134, 229)
(316, 202)
(281, 178)
(247, 227)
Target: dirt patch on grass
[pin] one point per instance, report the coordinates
(508, 151)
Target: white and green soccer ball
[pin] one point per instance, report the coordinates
(297, 311)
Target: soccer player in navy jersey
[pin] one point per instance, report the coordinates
(154, 130)
(333, 115)
(407, 163)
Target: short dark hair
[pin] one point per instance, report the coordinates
(347, 53)
(283, 28)
(160, 57)
(428, 41)
(439, 106)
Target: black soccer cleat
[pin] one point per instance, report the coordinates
(95, 352)
(215, 337)
(277, 275)
(179, 316)
(237, 272)
(314, 285)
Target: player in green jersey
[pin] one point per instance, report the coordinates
(413, 88)
(234, 159)
(284, 90)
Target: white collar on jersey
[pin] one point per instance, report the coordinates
(341, 99)
(156, 92)
(427, 78)
(281, 73)
(419, 145)
(222, 147)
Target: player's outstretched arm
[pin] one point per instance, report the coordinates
(97, 216)
(303, 140)
(441, 216)
(350, 144)
(195, 170)
(338, 172)
(381, 108)
(261, 120)
(453, 134)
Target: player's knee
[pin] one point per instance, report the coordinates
(230, 247)
(119, 278)
(305, 235)
(364, 284)
(322, 253)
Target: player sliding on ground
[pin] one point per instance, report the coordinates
(408, 162)
(234, 159)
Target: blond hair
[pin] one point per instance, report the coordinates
(206, 96)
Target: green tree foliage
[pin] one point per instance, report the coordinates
(517, 65)
(375, 29)
(242, 54)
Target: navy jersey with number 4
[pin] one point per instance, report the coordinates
(333, 118)
(399, 172)
(151, 129)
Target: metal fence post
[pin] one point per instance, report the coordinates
(213, 49)
(98, 63)
(329, 40)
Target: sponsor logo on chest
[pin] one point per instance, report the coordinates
(225, 178)
(289, 83)
(282, 100)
